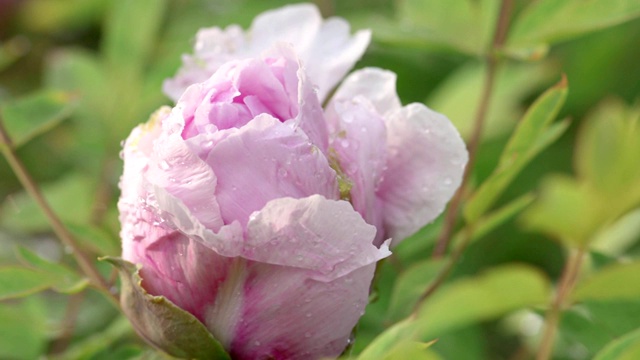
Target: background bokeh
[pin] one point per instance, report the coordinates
(94, 69)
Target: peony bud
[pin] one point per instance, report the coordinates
(231, 205)
(259, 214)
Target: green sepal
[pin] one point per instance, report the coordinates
(160, 322)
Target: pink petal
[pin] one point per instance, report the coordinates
(213, 47)
(324, 236)
(295, 24)
(287, 315)
(425, 165)
(240, 91)
(310, 117)
(359, 141)
(266, 160)
(267, 303)
(180, 172)
(227, 241)
(133, 203)
(333, 53)
(183, 270)
(309, 282)
(327, 48)
(377, 85)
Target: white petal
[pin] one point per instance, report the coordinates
(425, 165)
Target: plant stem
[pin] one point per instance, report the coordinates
(567, 282)
(446, 270)
(476, 135)
(86, 265)
(68, 324)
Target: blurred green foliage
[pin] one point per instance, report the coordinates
(77, 75)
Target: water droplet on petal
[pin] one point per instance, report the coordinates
(257, 343)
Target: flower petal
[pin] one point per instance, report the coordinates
(425, 166)
(295, 24)
(377, 85)
(327, 48)
(324, 236)
(257, 310)
(240, 91)
(333, 54)
(287, 315)
(181, 173)
(133, 204)
(266, 160)
(184, 271)
(213, 47)
(359, 142)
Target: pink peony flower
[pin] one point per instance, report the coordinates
(232, 207)
(262, 214)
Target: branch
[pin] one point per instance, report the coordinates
(476, 135)
(86, 265)
(567, 282)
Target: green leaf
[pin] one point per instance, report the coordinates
(80, 72)
(457, 96)
(489, 222)
(483, 297)
(622, 348)
(566, 210)
(546, 22)
(96, 239)
(162, 323)
(578, 325)
(63, 279)
(71, 198)
(87, 348)
(11, 50)
(410, 285)
(130, 34)
(608, 182)
(533, 134)
(35, 114)
(407, 349)
(620, 236)
(537, 119)
(18, 282)
(490, 295)
(23, 331)
(50, 16)
(464, 25)
(383, 343)
(614, 282)
(607, 154)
